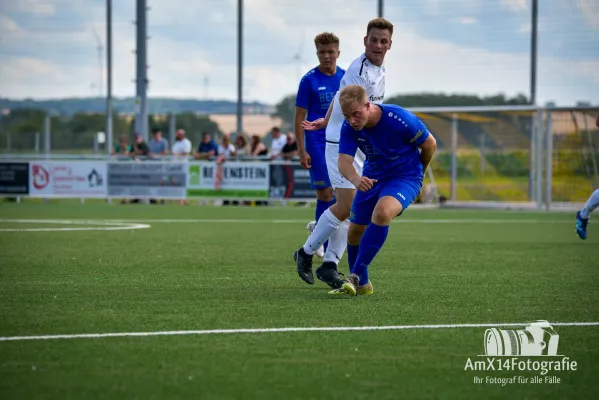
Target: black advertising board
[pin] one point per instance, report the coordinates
(14, 178)
(290, 181)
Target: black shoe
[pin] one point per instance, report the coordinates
(328, 274)
(303, 263)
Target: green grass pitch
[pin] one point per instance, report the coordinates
(195, 273)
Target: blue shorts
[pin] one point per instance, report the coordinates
(319, 175)
(405, 190)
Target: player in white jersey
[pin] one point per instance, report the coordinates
(367, 71)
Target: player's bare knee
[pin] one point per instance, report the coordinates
(325, 194)
(354, 234)
(341, 210)
(383, 215)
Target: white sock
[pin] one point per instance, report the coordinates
(325, 227)
(592, 203)
(337, 244)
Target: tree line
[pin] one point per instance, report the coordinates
(77, 130)
(285, 109)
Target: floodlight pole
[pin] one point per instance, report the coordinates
(239, 66)
(108, 77)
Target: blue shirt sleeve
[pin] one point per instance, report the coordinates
(303, 94)
(412, 130)
(348, 142)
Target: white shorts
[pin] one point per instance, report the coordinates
(332, 156)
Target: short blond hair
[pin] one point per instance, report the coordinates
(326, 38)
(380, 23)
(352, 93)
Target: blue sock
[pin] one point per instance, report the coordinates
(322, 206)
(373, 239)
(352, 254)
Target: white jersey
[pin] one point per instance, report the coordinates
(360, 72)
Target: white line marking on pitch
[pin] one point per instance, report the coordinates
(101, 225)
(278, 330)
(296, 221)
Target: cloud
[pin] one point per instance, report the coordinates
(9, 29)
(433, 7)
(467, 20)
(590, 12)
(32, 7)
(515, 5)
(29, 73)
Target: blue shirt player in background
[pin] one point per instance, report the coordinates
(390, 137)
(316, 90)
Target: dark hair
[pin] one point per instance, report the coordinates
(326, 38)
(243, 140)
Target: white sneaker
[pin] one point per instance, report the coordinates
(320, 252)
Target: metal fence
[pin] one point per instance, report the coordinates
(573, 143)
(541, 157)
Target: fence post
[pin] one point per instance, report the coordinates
(539, 160)
(96, 145)
(549, 162)
(532, 195)
(454, 159)
(172, 120)
(47, 135)
(8, 149)
(37, 142)
(483, 155)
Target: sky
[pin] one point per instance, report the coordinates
(49, 48)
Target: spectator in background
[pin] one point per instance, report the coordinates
(257, 148)
(140, 148)
(207, 148)
(225, 151)
(158, 148)
(123, 147)
(226, 148)
(290, 149)
(182, 147)
(277, 144)
(181, 151)
(158, 144)
(241, 145)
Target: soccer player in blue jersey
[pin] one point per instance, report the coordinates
(390, 137)
(316, 90)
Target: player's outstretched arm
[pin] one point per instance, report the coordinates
(346, 167)
(428, 150)
(320, 123)
(300, 116)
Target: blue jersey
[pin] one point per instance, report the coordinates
(391, 146)
(315, 93)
